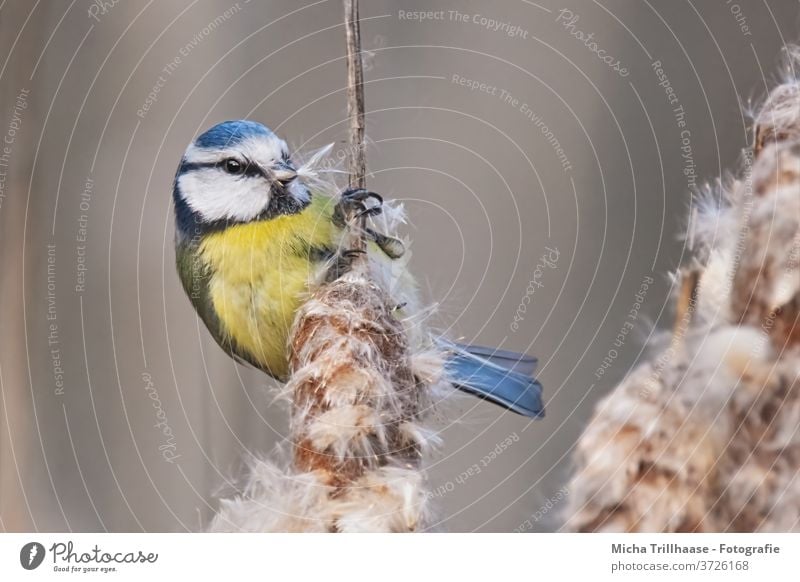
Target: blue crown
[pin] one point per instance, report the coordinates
(231, 133)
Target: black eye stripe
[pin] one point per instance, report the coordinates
(250, 169)
(253, 170)
(192, 166)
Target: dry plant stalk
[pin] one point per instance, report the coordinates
(359, 381)
(355, 395)
(357, 164)
(706, 436)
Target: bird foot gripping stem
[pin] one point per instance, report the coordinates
(355, 206)
(350, 213)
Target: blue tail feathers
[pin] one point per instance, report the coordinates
(503, 377)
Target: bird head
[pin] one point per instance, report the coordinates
(236, 172)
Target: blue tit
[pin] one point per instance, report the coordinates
(252, 236)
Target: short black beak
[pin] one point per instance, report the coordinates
(284, 172)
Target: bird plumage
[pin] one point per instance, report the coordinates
(503, 377)
(252, 240)
(253, 276)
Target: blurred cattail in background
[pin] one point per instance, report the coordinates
(706, 436)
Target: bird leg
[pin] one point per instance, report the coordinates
(353, 203)
(342, 263)
(350, 213)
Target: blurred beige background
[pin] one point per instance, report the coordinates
(498, 123)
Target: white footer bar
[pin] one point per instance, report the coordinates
(416, 558)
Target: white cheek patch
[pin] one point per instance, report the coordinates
(216, 195)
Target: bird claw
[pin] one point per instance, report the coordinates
(360, 195)
(353, 204)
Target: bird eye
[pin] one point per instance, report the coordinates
(233, 166)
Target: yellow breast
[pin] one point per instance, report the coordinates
(261, 272)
